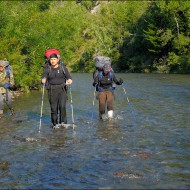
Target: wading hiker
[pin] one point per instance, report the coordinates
(55, 76)
(104, 83)
(6, 82)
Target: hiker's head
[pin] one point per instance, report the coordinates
(54, 59)
(2, 65)
(106, 68)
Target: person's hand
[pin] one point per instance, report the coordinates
(94, 84)
(121, 81)
(69, 82)
(6, 85)
(44, 81)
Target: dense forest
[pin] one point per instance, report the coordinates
(138, 36)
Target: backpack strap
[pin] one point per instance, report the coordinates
(98, 88)
(111, 75)
(62, 66)
(7, 69)
(100, 75)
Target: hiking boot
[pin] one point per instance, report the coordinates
(56, 126)
(104, 117)
(62, 123)
(12, 112)
(110, 114)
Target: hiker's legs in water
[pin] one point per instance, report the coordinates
(53, 100)
(102, 103)
(62, 106)
(110, 99)
(8, 101)
(1, 104)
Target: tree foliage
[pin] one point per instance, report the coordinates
(138, 36)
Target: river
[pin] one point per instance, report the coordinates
(146, 146)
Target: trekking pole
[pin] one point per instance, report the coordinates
(93, 102)
(129, 103)
(41, 107)
(71, 106)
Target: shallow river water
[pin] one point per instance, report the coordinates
(146, 146)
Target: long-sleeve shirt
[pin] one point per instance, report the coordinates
(105, 81)
(6, 79)
(56, 76)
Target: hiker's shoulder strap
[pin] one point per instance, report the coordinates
(63, 67)
(9, 71)
(100, 75)
(111, 75)
(65, 71)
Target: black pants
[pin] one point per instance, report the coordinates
(57, 99)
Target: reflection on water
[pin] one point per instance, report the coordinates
(152, 152)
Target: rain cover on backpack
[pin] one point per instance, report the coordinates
(50, 51)
(8, 67)
(101, 60)
(99, 63)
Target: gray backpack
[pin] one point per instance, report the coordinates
(100, 61)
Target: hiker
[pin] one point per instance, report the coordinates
(6, 82)
(56, 76)
(105, 87)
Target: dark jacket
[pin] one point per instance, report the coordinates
(106, 81)
(56, 76)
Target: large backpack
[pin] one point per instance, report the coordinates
(8, 67)
(99, 63)
(50, 51)
(47, 54)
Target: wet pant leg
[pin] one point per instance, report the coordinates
(53, 96)
(110, 99)
(102, 103)
(62, 106)
(8, 99)
(1, 103)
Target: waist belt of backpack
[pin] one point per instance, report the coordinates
(101, 89)
(55, 86)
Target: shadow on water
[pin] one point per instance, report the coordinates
(150, 152)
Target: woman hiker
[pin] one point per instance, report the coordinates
(56, 76)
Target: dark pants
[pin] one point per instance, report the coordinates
(105, 97)
(57, 99)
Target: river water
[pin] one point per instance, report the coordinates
(146, 146)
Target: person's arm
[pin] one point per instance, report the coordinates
(44, 75)
(68, 76)
(96, 80)
(118, 82)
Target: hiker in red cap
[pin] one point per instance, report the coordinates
(56, 76)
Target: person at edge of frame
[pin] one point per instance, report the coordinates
(6, 82)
